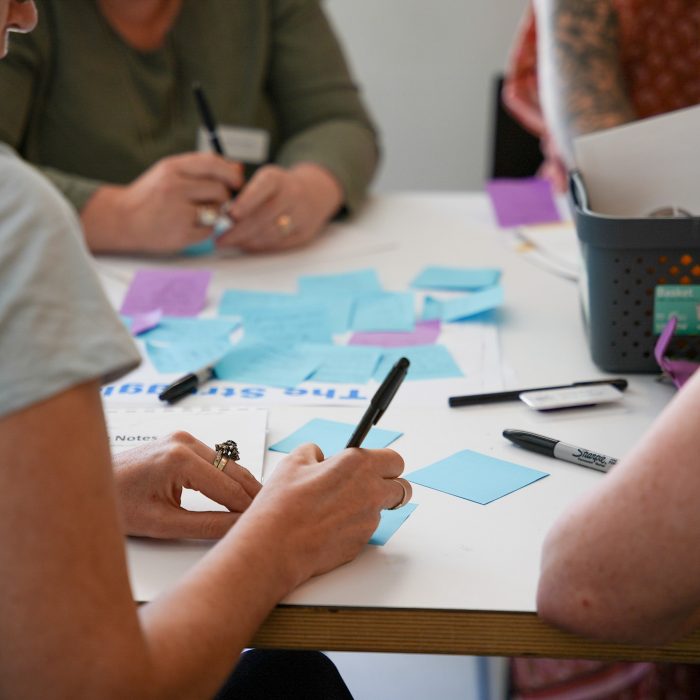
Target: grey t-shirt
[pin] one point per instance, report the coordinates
(57, 328)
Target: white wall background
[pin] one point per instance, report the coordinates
(426, 67)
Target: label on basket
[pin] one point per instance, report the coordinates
(681, 301)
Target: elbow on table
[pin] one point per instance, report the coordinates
(585, 610)
(566, 605)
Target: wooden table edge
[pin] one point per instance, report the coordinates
(430, 631)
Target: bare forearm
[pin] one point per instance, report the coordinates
(621, 564)
(207, 620)
(581, 83)
(103, 222)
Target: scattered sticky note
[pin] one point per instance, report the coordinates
(344, 283)
(175, 292)
(238, 302)
(340, 308)
(384, 311)
(205, 247)
(190, 330)
(475, 476)
(307, 323)
(332, 436)
(185, 356)
(464, 305)
(427, 362)
(390, 522)
(140, 323)
(424, 333)
(456, 278)
(267, 365)
(521, 201)
(344, 364)
(273, 317)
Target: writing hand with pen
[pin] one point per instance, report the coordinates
(279, 207)
(165, 209)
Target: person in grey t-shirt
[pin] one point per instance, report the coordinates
(70, 627)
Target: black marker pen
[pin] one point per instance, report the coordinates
(560, 450)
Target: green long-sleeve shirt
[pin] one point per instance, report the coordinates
(89, 109)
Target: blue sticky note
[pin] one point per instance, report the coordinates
(456, 278)
(190, 330)
(332, 436)
(390, 522)
(340, 284)
(384, 311)
(345, 364)
(268, 365)
(273, 317)
(475, 476)
(305, 323)
(205, 247)
(236, 302)
(185, 355)
(463, 306)
(427, 362)
(340, 308)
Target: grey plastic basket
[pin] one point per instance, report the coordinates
(623, 261)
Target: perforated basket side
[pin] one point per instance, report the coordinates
(624, 260)
(621, 304)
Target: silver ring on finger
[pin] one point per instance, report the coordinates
(405, 498)
(206, 216)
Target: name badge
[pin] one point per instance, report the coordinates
(239, 143)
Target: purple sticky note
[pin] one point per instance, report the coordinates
(425, 333)
(522, 201)
(174, 292)
(144, 322)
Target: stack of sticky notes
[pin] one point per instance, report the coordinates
(337, 328)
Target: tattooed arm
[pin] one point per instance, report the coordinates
(582, 87)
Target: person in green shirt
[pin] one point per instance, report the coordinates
(100, 99)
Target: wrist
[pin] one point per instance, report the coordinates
(104, 222)
(324, 185)
(263, 538)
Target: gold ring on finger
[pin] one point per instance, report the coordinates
(284, 224)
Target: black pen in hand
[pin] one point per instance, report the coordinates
(380, 402)
(207, 118)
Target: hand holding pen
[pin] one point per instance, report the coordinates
(376, 409)
(280, 208)
(219, 219)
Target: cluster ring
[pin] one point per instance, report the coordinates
(224, 452)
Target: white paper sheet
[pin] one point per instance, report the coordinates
(633, 169)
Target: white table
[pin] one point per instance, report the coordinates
(457, 577)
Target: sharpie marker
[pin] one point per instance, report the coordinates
(560, 450)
